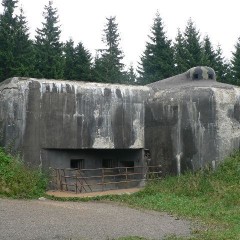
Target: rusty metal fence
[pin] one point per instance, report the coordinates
(101, 179)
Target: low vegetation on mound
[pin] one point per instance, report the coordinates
(211, 197)
(19, 181)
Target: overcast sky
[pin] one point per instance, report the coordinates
(84, 20)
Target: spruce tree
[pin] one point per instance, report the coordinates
(222, 67)
(214, 58)
(181, 54)
(70, 60)
(23, 49)
(83, 67)
(131, 77)
(99, 68)
(77, 62)
(8, 26)
(236, 64)
(48, 48)
(157, 59)
(209, 55)
(108, 63)
(16, 52)
(193, 45)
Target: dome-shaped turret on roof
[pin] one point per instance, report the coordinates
(201, 73)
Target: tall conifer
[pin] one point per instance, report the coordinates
(193, 45)
(69, 60)
(78, 64)
(8, 24)
(181, 54)
(48, 48)
(157, 59)
(222, 67)
(23, 49)
(83, 67)
(108, 63)
(16, 53)
(131, 75)
(209, 54)
(236, 64)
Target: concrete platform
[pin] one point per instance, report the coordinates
(65, 194)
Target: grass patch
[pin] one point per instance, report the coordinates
(19, 181)
(211, 197)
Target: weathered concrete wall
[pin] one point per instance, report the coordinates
(70, 115)
(228, 120)
(190, 124)
(90, 115)
(181, 131)
(13, 103)
(187, 121)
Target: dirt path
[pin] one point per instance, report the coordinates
(41, 220)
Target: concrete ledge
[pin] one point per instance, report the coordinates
(66, 194)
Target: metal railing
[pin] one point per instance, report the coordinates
(88, 180)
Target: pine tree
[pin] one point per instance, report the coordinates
(236, 64)
(209, 55)
(99, 68)
(48, 48)
(222, 67)
(108, 62)
(157, 59)
(23, 49)
(70, 60)
(131, 75)
(214, 59)
(193, 45)
(16, 52)
(83, 68)
(77, 62)
(181, 54)
(8, 25)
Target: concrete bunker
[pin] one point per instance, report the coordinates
(186, 122)
(74, 125)
(190, 121)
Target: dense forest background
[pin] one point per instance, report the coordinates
(47, 57)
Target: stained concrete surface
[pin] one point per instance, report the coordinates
(41, 220)
(186, 122)
(191, 124)
(39, 115)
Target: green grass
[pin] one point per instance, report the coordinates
(211, 198)
(19, 181)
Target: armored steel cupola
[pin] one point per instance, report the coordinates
(201, 73)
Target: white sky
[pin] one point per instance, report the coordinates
(84, 20)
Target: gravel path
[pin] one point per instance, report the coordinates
(41, 220)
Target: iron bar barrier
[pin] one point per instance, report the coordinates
(88, 180)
